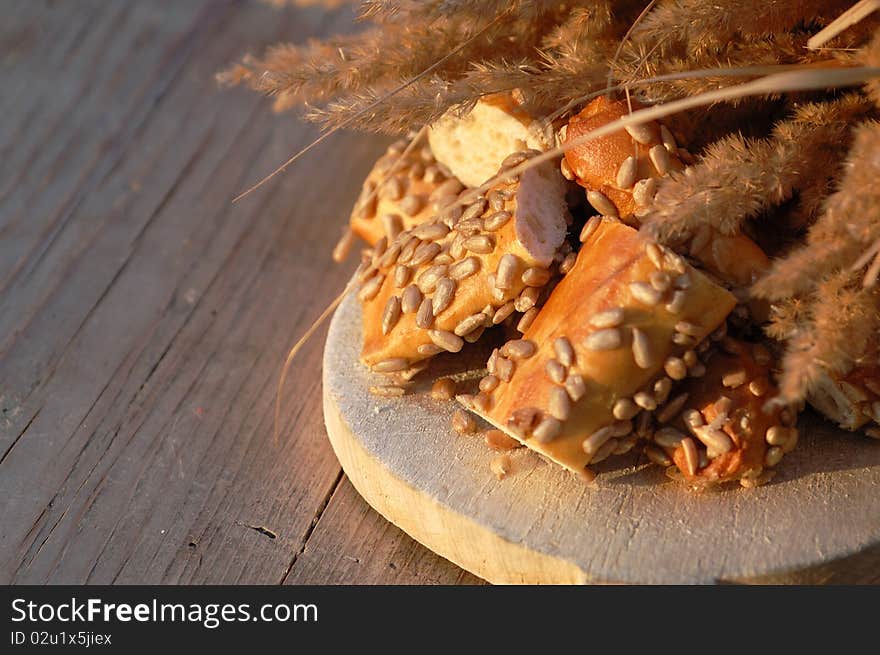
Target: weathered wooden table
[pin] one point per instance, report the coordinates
(144, 318)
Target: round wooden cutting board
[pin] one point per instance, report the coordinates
(817, 521)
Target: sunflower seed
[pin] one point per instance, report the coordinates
(691, 456)
(508, 268)
(645, 293)
(655, 254)
(668, 140)
(527, 299)
(450, 187)
(463, 422)
(641, 348)
(659, 156)
(715, 440)
(343, 247)
(424, 315)
(590, 226)
(644, 192)
(602, 204)
(535, 277)
(469, 324)
(608, 318)
(672, 408)
(402, 274)
(430, 231)
(464, 269)
(644, 133)
(547, 430)
(496, 201)
(645, 400)
(568, 263)
(504, 368)
(519, 349)
(565, 169)
(392, 365)
(427, 280)
(657, 456)
(473, 211)
(503, 312)
(425, 253)
(559, 403)
(564, 351)
(483, 402)
(662, 387)
(527, 319)
(777, 435)
(371, 288)
(625, 409)
(660, 281)
(481, 244)
(759, 387)
(555, 371)
(496, 221)
(627, 173)
(489, 383)
(608, 339)
(429, 350)
(388, 391)
(391, 314)
(410, 299)
(689, 329)
(575, 386)
(773, 456)
(668, 437)
(443, 296)
(446, 340)
(735, 379)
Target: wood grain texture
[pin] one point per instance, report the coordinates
(144, 318)
(817, 521)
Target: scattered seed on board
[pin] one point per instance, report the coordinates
(590, 226)
(608, 339)
(498, 440)
(425, 315)
(443, 389)
(608, 318)
(602, 204)
(627, 173)
(527, 319)
(641, 348)
(443, 295)
(463, 422)
(501, 466)
(391, 314)
(555, 371)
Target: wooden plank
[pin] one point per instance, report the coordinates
(352, 544)
(144, 325)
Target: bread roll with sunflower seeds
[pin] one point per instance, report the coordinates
(400, 192)
(594, 358)
(619, 171)
(720, 427)
(473, 146)
(440, 284)
(852, 400)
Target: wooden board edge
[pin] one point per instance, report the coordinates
(430, 522)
